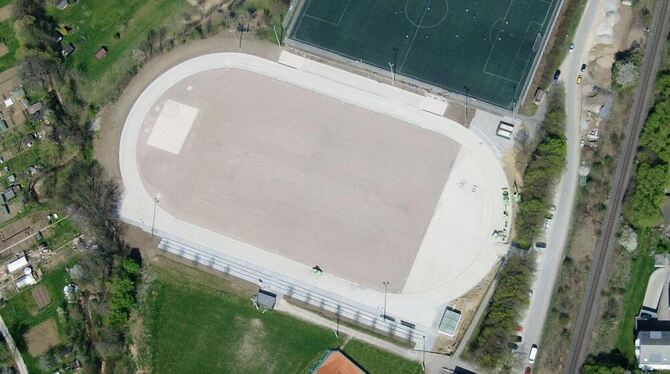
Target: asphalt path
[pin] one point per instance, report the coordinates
(549, 259)
(588, 310)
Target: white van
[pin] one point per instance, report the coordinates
(533, 353)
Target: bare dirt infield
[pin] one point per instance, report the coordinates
(42, 337)
(41, 297)
(297, 173)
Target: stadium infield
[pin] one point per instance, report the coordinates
(483, 49)
(269, 166)
(275, 170)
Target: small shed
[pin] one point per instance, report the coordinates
(35, 111)
(265, 299)
(3, 125)
(8, 194)
(62, 4)
(17, 264)
(25, 281)
(8, 102)
(18, 93)
(449, 322)
(67, 50)
(101, 53)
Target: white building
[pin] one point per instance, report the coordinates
(17, 264)
(652, 349)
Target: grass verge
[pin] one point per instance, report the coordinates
(186, 307)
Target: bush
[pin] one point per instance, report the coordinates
(653, 161)
(543, 170)
(626, 69)
(511, 295)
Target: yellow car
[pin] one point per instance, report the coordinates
(579, 79)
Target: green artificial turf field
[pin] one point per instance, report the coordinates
(483, 48)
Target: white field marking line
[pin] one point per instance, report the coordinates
(497, 35)
(522, 74)
(446, 15)
(550, 4)
(491, 39)
(524, 38)
(409, 49)
(344, 11)
(31, 235)
(501, 77)
(322, 20)
(302, 16)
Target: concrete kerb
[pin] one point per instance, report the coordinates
(138, 206)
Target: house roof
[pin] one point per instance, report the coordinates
(654, 349)
(652, 295)
(17, 264)
(35, 108)
(335, 362)
(62, 4)
(25, 280)
(101, 53)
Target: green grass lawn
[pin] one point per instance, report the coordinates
(95, 23)
(643, 266)
(7, 37)
(224, 333)
(376, 361)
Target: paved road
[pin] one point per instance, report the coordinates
(549, 260)
(589, 308)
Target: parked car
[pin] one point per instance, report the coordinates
(517, 338)
(513, 347)
(547, 223)
(532, 354)
(540, 245)
(527, 370)
(579, 79)
(557, 74)
(572, 47)
(583, 68)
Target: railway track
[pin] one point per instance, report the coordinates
(588, 309)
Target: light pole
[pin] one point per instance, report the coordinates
(395, 63)
(467, 90)
(423, 358)
(153, 220)
(386, 284)
(513, 103)
(392, 72)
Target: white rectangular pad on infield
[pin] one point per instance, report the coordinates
(172, 126)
